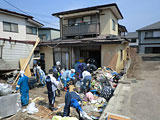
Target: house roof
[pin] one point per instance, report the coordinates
(85, 41)
(29, 18)
(48, 28)
(89, 9)
(132, 35)
(122, 28)
(154, 26)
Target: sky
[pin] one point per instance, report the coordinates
(136, 13)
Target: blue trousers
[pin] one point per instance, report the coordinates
(24, 98)
(87, 79)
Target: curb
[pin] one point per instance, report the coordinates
(112, 100)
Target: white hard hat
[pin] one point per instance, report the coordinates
(58, 63)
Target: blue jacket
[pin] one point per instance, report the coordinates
(71, 99)
(23, 84)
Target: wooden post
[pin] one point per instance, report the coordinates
(28, 60)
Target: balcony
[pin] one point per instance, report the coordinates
(80, 29)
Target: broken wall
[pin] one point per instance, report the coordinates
(12, 52)
(114, 56)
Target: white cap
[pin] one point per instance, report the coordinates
(22, 73)
(58, 63)
(73, 70)
(38, 67)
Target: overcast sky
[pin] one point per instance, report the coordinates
(136, 13)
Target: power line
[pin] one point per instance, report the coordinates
(15, 7)
(28, 14)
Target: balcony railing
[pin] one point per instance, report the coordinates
(81, 29)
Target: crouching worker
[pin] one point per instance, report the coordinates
(72, 99)
(51, 84)
(86, 79)
(24, 88)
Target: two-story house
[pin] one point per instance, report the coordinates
(149, 38)
(18, 33)
(89, 33)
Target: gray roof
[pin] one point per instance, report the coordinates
(154, 26)
(86, 41)
(132, 35)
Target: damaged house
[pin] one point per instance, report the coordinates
(18, 33)
(91, 32)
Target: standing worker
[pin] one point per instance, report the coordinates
(24, 88)
(52, 85)
(57, 73)
(42, 76)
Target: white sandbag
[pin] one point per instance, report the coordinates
(5, 89)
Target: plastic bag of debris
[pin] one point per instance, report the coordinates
(5, 89)
(31, 109)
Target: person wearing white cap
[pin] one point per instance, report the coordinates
(42, 76)
(24, 88)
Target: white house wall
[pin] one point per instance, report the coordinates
(21, 35)
(55, 34)
(12, 52)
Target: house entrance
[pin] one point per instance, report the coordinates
(94, 54)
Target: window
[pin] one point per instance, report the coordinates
(0, 52)
(10, 27)
(113, 25)
(31, 30)
(148, 34)
(133, 40)
(43, 37)
(93, 19)
(87, 19)
(71, 22)
(83, 20)
(156, 34)
(121, 55)
(79, 20)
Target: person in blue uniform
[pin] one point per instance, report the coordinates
(24, 88)
(80, 68)
(72, 100)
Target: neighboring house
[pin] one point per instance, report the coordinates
(47, 33)
(133, 37)
(122, 30)
(149, 38)
(18, 33)
(88, 33)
